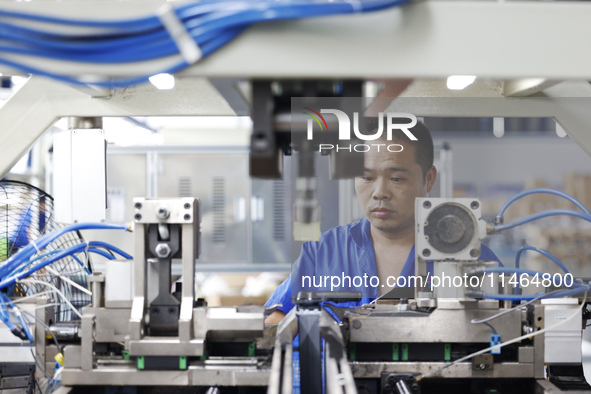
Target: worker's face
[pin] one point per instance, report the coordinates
(389, 186)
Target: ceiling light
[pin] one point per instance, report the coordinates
(162, 81)
(560, 131)
(459, 82)
(499, 127)
(18, 81)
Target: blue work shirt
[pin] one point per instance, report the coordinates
(343, 250)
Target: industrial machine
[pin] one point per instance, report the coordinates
(456, 330)
(439, 337)
(146, 332)
(453, 328)
(157, 337)
(443, 337)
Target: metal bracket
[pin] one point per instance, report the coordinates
(482, 362)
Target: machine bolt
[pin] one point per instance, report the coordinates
(162, 250)
(474, 253)
(187, 205)
(187, 217)
(482, 366)
(162, 212)
(474, 205)
(526, 329)
(260, 142)
(357, 324)
(426, 252)
(138, 216)
(138, 205)
(427, 204)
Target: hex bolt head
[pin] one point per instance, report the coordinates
(162, 212)
(162, 250)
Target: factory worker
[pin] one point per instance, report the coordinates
(373, 253)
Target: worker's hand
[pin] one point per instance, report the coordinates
(275, 317)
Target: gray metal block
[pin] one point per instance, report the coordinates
(111, 325)
(229, 377)
(72, 357)
(459, 370)
(14, 382)
(563, 343)
(124, 376)
(15, 391)
(449, 326)
(228, 323)
(163, 346)
(525, 355)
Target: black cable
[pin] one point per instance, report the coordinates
(491, 327)
(108, 250)
(39, 365)
(88, 259)
(38, 386)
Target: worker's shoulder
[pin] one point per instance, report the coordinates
(339, 243)
(340, 234)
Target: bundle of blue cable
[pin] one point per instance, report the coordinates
(576, 287)
(210, 24)
(584, 214)
(30, 259)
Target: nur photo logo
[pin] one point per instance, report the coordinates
(395, 121)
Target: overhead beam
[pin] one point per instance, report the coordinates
(572, 113)
(40, 102)
(526, 86)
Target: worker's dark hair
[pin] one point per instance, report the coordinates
(423, 145)
(424, 150)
